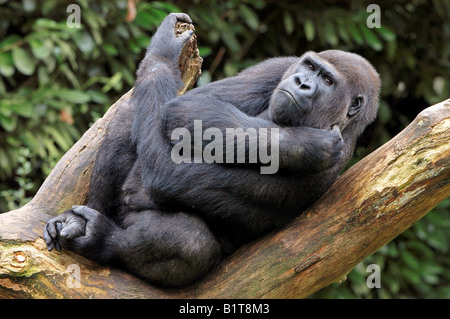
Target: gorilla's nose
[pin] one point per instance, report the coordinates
(303, 82)
(306, 86)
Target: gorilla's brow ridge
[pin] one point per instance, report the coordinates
(322, 65)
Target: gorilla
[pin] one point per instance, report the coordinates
(170, 222)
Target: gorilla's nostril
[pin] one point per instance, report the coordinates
(305, 87)
(297, 81)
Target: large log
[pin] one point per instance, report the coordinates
(372, 203)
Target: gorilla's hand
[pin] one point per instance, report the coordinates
(329, 148)
(310, 150)
(82, 230)
(164, 43)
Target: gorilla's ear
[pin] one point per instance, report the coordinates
(355, 105)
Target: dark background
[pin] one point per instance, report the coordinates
(56, 81)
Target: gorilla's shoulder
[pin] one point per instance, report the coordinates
(270, 66)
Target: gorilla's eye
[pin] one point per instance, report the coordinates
(327, 80)
(311, 67)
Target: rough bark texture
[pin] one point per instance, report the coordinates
(372, 203)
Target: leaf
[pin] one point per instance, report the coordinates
(330, 35)
(230, 68)
(411, 276)
(50, 146)
(57, 136)
(310, 31)
(431, 279)
(9, 40)
(288, 22)
(114, 81)
(98, 97)
(110, 49)
(158, 14)
(68, 52)
(230, 40)
(410, 259)
(69, 75)
(386, 34)
(143, 41)
(371, 38)
(48, 6)
(420, 249)
(250, 17)
(146, 19)
(28, 5)
(43, 23)
(73, 96)
(342, 30)
(41, 49)
(8, 123)
(6, 64)
(165, 6)
(4, 164)
(23, 61)
(84, 42)
(204, 51)
(23, 109)
(134, 46)
(354, 32)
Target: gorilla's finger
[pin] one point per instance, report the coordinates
(85, 212)
(50, 246)
(185, 36)
(59, 226)
(177, 17)
(48, 239)
(50, 231)
(57, 245)
(183, 17)
(337, 131)
(336, 128)
(73, 230)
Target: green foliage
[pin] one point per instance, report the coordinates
(15, 198)
(56, 81)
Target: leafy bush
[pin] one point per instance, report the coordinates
(55, 81)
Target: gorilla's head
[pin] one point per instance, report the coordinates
(327, 88)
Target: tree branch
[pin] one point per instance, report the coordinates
(372, 203)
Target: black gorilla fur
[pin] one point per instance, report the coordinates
(170, 223)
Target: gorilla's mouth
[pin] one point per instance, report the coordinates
(289, 94)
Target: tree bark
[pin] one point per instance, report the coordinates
(372, 203)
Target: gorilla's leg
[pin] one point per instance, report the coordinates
(171, 249)
(177, 248)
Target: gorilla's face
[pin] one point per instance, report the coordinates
(322, 90)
